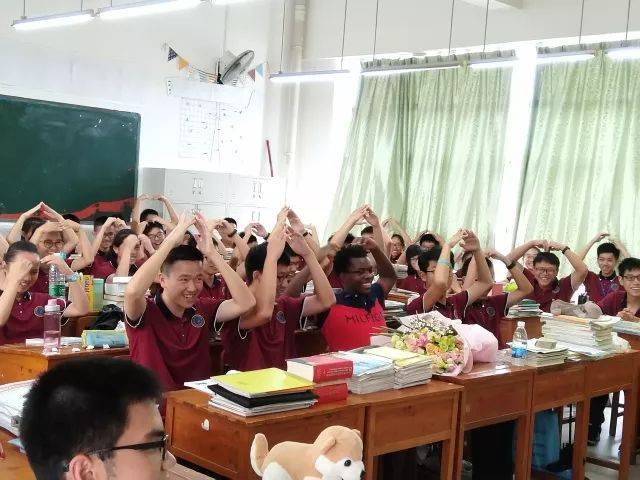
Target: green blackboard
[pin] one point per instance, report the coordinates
(77, 159)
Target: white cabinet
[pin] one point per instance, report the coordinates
(245, 198)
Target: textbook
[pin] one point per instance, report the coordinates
(321, 368)
(262, 383)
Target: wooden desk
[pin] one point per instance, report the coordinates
(577, 383)
(508, 326)
(16, 466)
(401, 419)
(496, 393)
(18, 362)
(75, 326)
(220, 441)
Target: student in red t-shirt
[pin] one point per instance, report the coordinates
(599, 285)
(265, 336)
(623, 303)
(544, 277)
(169, 333)
(435, 270)
(21, 310)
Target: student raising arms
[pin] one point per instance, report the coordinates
(265, 336)
(169, 333)
(21, 309)
(599, 285)
(121, 257)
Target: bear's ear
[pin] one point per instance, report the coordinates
(357, 432)
(327, 445)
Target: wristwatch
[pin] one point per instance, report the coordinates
(564, 250)
(306, 232)
(512, 265)
(232, 234)
(74, 277)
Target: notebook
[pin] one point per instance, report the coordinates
(262, 383)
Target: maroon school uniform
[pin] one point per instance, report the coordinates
(268, 345)
(353, 319)
(25, 320)
(103, 269)
(453, 308)
(176, 349)
(598, 286)
(614, 303)
(557, 290)
(218, 289)
(487, 312)
(334, 280)
(413, 283)
(42, 282)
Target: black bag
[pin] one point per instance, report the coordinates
(108, 318)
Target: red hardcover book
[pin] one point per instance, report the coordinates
(321, 368)
(331, 393)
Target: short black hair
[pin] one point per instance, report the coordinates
(412, 251)
(31, 224)
(428, 237)
(256, 257)
(547, 257)
(251, 239)
(146, 212)
(231, 220)
(628, 264)
(81, 406)
(608, 248)
(192, 240)
(17, 247)
(289, 251)
(151, 225)
(349, 239)
(368, 230)
(118, 240)
(399, 237)
(343, 257)
(465, 265)
(99, 221)
(181, 253)
(432, 255)
(71, 216)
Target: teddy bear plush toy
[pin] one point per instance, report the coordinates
(335, 455)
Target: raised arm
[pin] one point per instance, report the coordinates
(386, 272)
(438, 287)
(173, 215)
(4, 246)
(80, 305)
(524, 285)
(15, 233)
(339, 237)
(399, 229)
(483, 282)
(68, 235)
(134, 296)
(16, 271)
(299, 228)
(518, 252)
(379, 235)
(87, 255)
(227, 229)
(598, 238)
(135, 212)
(580, 270)
(620, 246)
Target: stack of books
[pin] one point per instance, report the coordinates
(410, 369)
(370, 373)
(543, 357)
(576, 332)
(259, 392)
(329, 373)
(525, 308)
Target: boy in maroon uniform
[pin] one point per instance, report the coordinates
(169, 333)
(544, 277)
(265, 336)
(599, 285)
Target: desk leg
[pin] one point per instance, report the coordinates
(628, 430)
(580, 439)
(458, 441)
(523, 436)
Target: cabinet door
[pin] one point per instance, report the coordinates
(209, 210)
(216, 187)
(245, 214)
(271, 192)
(186, 187)
(243, 190)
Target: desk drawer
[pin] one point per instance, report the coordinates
(610, 374)
(218, 447)
(555, 386)
(400, 426)
(485, 405)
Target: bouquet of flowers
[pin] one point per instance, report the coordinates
(434, 338)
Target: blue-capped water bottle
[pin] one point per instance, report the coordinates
(519, 345)
(57, 287)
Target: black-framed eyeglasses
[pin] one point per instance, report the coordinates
(141, 447)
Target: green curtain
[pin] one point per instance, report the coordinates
(583, 170)
(427, 148)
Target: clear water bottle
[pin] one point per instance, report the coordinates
(519, 345)
(52, 327)
(57, 280)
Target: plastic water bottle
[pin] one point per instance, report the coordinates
(519, 345)
(52, 316)
(57, 280)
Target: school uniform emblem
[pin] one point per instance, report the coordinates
(491, 311)
(613, 287)
(556, 290)
(280, 317)
(39, 311)
(197, 321)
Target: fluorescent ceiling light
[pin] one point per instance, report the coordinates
(493, 63)
(147, 7)
(624, 53)
(380, 71)
(313, 76)
(48, 21)
(564, 57)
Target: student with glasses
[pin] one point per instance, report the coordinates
(544, 277)
(79, 425)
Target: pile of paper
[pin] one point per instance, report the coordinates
(592, 337)
(410, 369)
(526, 308)
(543, 357)
(370, 373)
(12, 398)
